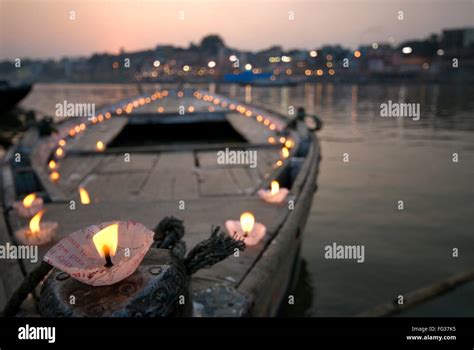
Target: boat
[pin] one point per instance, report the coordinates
(11, 95)
(155, 156)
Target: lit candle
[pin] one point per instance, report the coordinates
(37, 232)
(52, 164)
(285, 152)
(54, 176)
(30, 205)
(106, 242)
(275, 187)
(247, 221)
(247, 229)
(85, 199)
(59, 152)
(275, 194)
(100, 146)
(103, 254)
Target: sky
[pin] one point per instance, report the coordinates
(43, 29)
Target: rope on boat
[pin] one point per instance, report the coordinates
(214, 249)
(217, 247)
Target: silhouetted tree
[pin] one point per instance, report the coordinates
(212, 43)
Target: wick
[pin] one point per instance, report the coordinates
(108, 260)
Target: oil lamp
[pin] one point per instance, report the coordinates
(247, 229)
(29, 206)
(37, 232)
(103, 254)
(275, 194)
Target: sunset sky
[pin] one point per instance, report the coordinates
(42, 29)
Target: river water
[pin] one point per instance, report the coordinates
(357, 203)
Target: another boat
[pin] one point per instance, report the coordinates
(11, 95)
(157, 155)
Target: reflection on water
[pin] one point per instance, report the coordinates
(390, 159)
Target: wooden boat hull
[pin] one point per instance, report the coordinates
(181, 179)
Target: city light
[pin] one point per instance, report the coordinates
(156, 63)
(232, 58)
(211, 64)
(357, 54)
(313, 53)
(407, 50)
(248, 66)
(186, 68)
(375, 46)
(286, 59)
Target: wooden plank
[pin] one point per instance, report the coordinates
(243, 179)
(74, 169)
(115, 186)
(137, 162)
(217, 182)
(207, 159)
(172, 177)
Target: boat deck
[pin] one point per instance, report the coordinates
(147, 183)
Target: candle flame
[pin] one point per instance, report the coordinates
(289, 144)
(285, 152)
(28, 200)
(275, 187)
(106, 240)
(35, 222)
(100, 146)
(52, 164)
(54, 176)
(59, 152)
(85, 199)
(247, 220)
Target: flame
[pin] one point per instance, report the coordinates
(59, 152)
(247, 220)
(275, 187)
(52, 164)
(100, 146)
(106, 240)
(54, 176)
(62, 142)
(85, 199)
(289, 144)
(285, 152)
(28, 200)
(35, 222)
